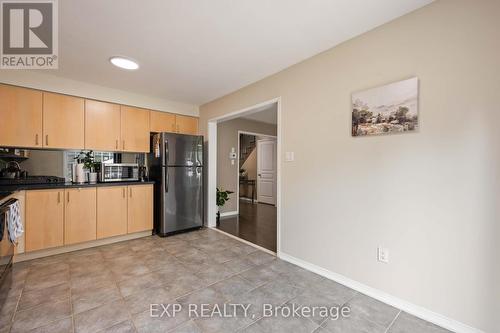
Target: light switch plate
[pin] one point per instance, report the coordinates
(383, 254)
(289, 156)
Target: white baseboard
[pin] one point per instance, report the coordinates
(248, 199)
(226, 214)
(415, 310)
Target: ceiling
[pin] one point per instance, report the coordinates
(194, 51)
(266, 114)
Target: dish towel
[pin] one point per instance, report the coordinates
(14, 224)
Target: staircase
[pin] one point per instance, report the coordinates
(247, 145)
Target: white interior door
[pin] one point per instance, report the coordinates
(266, 171)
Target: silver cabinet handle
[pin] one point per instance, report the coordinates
(36, 140)
(123, 190)
(130, 188)
(58, 197)
(46, 139)
(68, 197)
(123, 144)
(116, 143)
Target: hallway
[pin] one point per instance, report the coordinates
(256, 224)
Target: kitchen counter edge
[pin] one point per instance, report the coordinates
(27, 187)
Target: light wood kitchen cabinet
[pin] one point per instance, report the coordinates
(140, 208)
(111, 211)
(134, 129)
(44, 219)
(20, 117)
(186, 124)
(80, 215)
(162, 122)
(63, 121)
(102, 126)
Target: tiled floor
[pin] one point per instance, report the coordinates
(256, 223)
(110, 289)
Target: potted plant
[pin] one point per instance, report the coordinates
(89, 164)
(222, 197)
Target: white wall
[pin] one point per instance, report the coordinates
(46, 81)
(431, 197)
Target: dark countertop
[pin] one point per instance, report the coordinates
(5, 194)
(6, 190)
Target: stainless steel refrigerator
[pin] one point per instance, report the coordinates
(176, 165)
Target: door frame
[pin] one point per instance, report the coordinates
(212, 163)
(238, 169)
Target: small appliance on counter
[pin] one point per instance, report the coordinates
(118, 172)
(78, 173)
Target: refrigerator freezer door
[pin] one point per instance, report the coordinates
(182, 150)
(182, 196)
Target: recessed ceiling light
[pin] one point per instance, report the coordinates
(125, 63)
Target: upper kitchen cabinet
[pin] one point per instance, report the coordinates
(21, 117)
(186, 125)
(162, 122)
(134, 129)
(102, 126)
(63, 121)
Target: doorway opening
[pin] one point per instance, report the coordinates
(246, 152)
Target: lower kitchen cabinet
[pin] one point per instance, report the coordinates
(111, 211)
(140, 208)
(44, 214)
(58, 217)
(80, 221)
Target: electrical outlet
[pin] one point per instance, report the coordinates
(383, 254)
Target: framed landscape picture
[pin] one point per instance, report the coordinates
(388, 109)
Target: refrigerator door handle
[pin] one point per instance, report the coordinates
(166, 152)
(166, 178)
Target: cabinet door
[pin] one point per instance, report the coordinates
(80, 215)
(102, 126)
(186, 125)
(20, 117)
(140, 208)
(111, 211)
(63, 121)
(134, 129)
(44, 219)
(162, 122)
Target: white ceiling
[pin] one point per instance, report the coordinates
(194, 51)
(266, 114)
